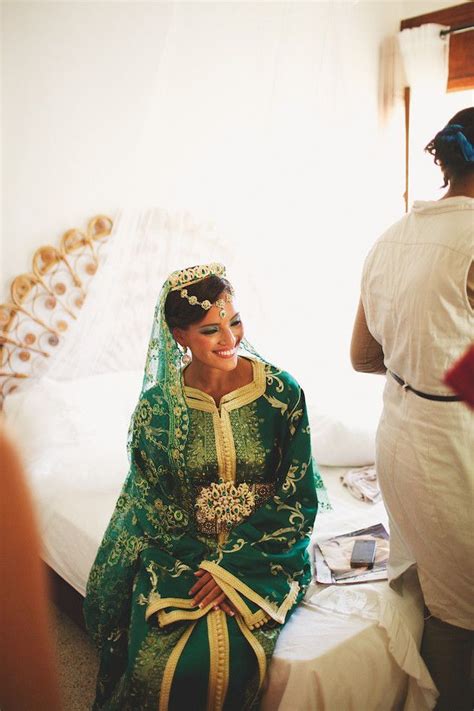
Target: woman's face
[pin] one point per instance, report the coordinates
(213, 341)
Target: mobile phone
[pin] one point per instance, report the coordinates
(363, 554)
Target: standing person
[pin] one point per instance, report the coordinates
(415, 318)
(205, 555)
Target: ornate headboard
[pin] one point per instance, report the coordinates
(45, 301)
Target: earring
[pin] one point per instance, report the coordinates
(186, 358)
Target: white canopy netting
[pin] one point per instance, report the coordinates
(114, 326)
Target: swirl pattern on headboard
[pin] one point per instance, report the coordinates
(45, 301)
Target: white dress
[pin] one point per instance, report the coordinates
(414, 292)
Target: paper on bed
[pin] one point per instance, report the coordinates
(332, 557)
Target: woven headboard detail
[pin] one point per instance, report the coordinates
(44, 302)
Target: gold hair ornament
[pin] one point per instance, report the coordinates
(185, 277)
(193, 275)
(222, 505)
(206, 304)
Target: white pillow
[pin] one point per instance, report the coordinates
(341, 443)
(75, 429)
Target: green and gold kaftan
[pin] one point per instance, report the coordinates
(158, 651)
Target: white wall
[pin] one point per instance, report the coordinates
(76, 81)
(413, 8)
(261, 115)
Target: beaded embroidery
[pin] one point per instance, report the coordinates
(221, 506)
(206, 304)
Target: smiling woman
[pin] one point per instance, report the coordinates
(205, 556)
(213, 340)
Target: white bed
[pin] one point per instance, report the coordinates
(346, 647)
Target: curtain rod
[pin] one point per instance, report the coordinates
(460, 28)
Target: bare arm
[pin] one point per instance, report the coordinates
(366, 353)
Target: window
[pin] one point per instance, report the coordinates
(461, 42)
(420, 181)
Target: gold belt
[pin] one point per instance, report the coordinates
(222, 506)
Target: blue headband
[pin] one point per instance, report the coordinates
(453, 133)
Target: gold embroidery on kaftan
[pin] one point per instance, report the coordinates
(170, 667)
(250, 452)
(257, 648)
(235, 426)
(200, 447)
(151, 660)
(218, 637)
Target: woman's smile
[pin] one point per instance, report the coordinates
(230, 353)
(214, 341)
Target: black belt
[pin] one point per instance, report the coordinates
(427, 396)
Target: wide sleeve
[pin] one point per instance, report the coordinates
(147, 523)
(264, 565)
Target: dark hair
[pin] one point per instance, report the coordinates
(447, 152)
(179, 313)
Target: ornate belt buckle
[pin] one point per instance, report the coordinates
(223, 505)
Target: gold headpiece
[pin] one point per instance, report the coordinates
(185, 277)
(206, 304)
(192, 275)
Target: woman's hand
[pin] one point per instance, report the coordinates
(206, 590)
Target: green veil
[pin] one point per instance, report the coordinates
(137, 607)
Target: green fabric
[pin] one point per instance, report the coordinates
(152, 546)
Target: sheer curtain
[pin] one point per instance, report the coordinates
(425, 55)
(112, 332)
(263, 119)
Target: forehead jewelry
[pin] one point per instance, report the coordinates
(206, 304)
(185, 277)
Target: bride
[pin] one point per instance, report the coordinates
(205, 556)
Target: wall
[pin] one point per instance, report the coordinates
(76, 81)
(262, 116)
